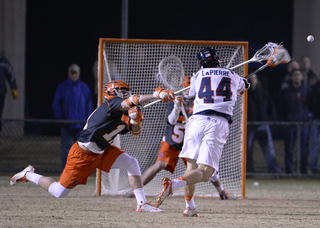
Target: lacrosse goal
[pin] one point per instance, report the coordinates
(136, 61)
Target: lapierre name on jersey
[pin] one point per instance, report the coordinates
(215, 89)
(216, 72)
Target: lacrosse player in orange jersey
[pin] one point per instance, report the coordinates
(215, 90)
(119, 114)
(172, 142)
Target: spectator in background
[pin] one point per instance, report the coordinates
(260, 108)
(72, 101)
(295, 106)
(287, 79)
(6, 73)
(313, 81)
(315, 130)
(310, 77)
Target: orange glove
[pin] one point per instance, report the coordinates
(14, 93)
(163, 94)
(135, 115)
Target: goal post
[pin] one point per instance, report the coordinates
(136, 61)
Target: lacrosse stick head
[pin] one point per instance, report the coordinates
(266, 52)
(280, 55)
(171, 72)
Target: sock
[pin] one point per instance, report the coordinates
(190, 202)
(179, 182)
(33, 177)
(220, 189)
(140, 196)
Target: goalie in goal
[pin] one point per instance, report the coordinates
(119, 114)
(178, 112)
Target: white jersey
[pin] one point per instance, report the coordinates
(216, 89)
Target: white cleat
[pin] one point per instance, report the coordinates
(188, 212)
(147, 207)
(21, 177)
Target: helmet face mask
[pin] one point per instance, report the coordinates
(122, 92)
(208, 57)
(117, 88)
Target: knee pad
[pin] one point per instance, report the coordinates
(133, 169)
(57, 190)
(128, 163)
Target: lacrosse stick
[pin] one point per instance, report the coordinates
(262, 54)
(171, 74)
(281, 55)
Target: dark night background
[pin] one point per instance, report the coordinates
(60, 33)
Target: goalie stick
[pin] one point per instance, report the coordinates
(265, 53)
(171, 73)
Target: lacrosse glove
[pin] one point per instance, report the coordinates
(163, 94)
(135, 115)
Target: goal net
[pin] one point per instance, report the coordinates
(136, 62)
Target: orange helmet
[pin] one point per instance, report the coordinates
(186, 81)
(118, 88)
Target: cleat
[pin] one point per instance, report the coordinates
(188, 212)
(165, 191)
(21, 177)
(129, 194)
(227, 196)
(148, 207)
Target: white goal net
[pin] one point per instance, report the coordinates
(136, 62)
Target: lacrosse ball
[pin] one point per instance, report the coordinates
(310, 38)
(256, 184)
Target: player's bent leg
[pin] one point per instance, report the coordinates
(201, 174)
(57, 190)
(224, 195)
(152, 171)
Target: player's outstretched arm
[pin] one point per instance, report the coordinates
(137, 99)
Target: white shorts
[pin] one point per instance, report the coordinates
(204, 139)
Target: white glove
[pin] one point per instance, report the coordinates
(135, 115)
(178, 102)
(163, 94)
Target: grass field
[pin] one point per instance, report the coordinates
(274, 203)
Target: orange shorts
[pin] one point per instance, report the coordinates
(169, 155)
(81, 164)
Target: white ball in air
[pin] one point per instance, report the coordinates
(310, 38)
(256, 184)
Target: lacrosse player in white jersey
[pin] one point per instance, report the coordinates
(215, 90)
